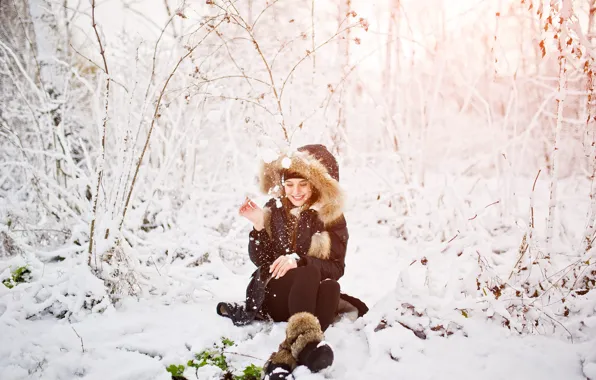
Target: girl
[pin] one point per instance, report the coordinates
(298, 243)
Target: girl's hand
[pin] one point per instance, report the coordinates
(283, 264)
(254, 213)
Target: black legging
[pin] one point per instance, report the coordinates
(301, 289)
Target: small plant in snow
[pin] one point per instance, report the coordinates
(216, 357)
(252, 372)
(19, 276)
(175, 370)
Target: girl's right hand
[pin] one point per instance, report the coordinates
(254, 213)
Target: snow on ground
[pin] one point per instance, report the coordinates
(176, 319)
(137, 341)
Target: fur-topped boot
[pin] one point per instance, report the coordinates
(303, 345)
(280, 364)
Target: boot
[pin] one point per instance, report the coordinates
(273, 371)
(303, 345)
(280, 364)
(237, 313)
(305, 339)
(316, 356)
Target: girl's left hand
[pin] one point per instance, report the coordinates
(282, 265)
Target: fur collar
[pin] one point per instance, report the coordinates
(331, 198)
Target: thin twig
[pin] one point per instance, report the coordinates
(312, 34)
(245, 355)
(485, 207)
(233, 60)
(103, 139)
(244, 25)
(151, 80)
(157, 269)
(562, 325)
(207, 80)
(99, 67)
(170, 16)
(156, 116)
(75, 331)
(309, 54)
(553, 284)
(243, 100)
(140, 14)
(263, 11)
(87, 58)
(532, 207)
(492, 204)
(42, 230)
(527, 240)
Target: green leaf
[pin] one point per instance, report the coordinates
(252, 372)
(19, 276)
(227, 342)
(220, 361)
(464, 313)
(175, 370)
(205, 357)
(19, 273)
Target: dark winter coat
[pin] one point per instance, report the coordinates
(321, 231)
(316, 244)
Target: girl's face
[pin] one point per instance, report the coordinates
(298, 190)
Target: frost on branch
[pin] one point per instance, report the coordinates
(117, 270)
(8, 247)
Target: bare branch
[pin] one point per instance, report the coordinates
(248, 30)
(261, 13)
(309, 54)
(103, 139)
(81, 339)
(232, 58)
(99, 67)
(170, 16)
(156, 115)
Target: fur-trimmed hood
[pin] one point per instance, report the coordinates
(316, 164)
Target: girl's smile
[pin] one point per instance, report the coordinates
(298, 190)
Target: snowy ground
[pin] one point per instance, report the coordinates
(176, 319)
(137, 341)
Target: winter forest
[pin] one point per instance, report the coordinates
(131, 131)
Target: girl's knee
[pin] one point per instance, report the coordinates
(311, 272)
(330, 285)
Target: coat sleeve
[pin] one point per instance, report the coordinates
(260, 249)
(333, 268)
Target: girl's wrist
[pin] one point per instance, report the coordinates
(259, 224)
